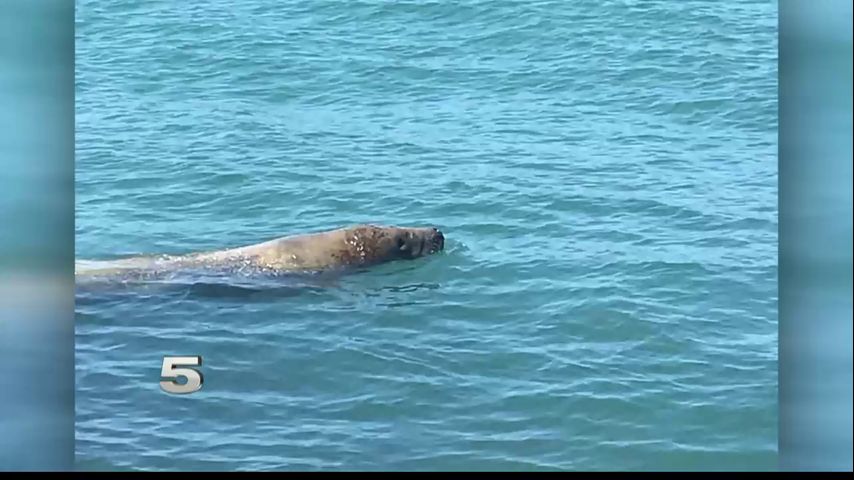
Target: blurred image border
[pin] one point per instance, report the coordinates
(815, 327)
(36, 235)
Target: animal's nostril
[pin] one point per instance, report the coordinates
(439, 239)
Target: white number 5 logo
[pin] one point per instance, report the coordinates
(170, 370)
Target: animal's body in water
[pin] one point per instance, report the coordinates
(345, 248)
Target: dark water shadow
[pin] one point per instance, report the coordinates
(208, 286)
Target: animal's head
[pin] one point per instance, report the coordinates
(372, 244)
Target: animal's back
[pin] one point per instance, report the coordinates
(312, 251)
(108, 267)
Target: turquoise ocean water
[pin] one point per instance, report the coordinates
(605, 173)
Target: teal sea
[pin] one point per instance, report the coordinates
(605, 173)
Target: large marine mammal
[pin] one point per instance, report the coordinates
(344, 248)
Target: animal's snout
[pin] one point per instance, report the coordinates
(438, 239)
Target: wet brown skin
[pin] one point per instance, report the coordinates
(350, 247)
